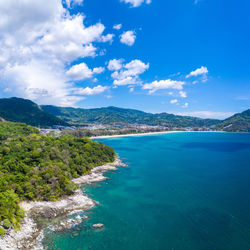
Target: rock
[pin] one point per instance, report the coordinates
(98, 225)
(79, 221)
(75, 234)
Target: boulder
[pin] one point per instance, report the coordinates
(98, 225)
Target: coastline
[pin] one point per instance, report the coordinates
(151, 133)
(31, 229)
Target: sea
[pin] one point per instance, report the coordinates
(180, 191)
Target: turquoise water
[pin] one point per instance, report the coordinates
(180, 191)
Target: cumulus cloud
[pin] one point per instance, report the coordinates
(125, 81)
(128, 37)
(38, 41)
(117, 26)
(98, 70)
(36, 80)
(115, 64)
(163, 84)
(173, 101)
(185, 105)
(198, 72)
(183, 94)
(135, 67)
(107, 38)
(69, 3)
(136, 3)
(91, 91)
(82, 71)
(127, 74)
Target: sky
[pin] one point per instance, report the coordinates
(188, 57)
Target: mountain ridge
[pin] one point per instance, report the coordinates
(16, 109)
(23, 110)
(111, 114)
(239, 122)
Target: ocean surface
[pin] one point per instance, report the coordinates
(180, 191)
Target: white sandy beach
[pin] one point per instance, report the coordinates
(151, 133)
(139, 134)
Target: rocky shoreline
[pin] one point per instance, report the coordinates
(31, 228)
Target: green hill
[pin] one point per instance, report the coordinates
(111, 115)
(237, 123)
(39, 167)
(22, 110)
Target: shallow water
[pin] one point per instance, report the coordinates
(180, 191)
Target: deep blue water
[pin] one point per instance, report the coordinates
(180, 191)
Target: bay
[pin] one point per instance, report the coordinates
(180, 191)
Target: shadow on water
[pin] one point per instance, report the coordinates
(202, 223)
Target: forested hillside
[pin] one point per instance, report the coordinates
(237, 123)
(22, 110)
(112, 115)
(39, 167)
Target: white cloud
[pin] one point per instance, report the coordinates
(125, 81)
(129, 73)
(107, 38)
(185, 105)
(115, 64)
(202, 71)
(131, 90)
(183, 94)
(82, 71)
(38, 41)
(79, 72)
(6, 90)
(36, 80)
(117, 26)
(136, 3)
(128, 38)
(91, 91)
(98, 70)
(69, 3)
(109, 96)
(102, 52)
(207, 114)
(135, 67)
(163, 84)
(173, 101)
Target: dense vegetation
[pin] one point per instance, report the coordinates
(111, 115)
(81, 132)
(39, 167)
(236, 123)
(22, 110)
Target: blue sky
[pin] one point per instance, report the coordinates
(183, 56)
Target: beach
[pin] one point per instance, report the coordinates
(31, 232)
(139, 134)
(151, 133)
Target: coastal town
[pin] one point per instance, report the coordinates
(95, 130)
